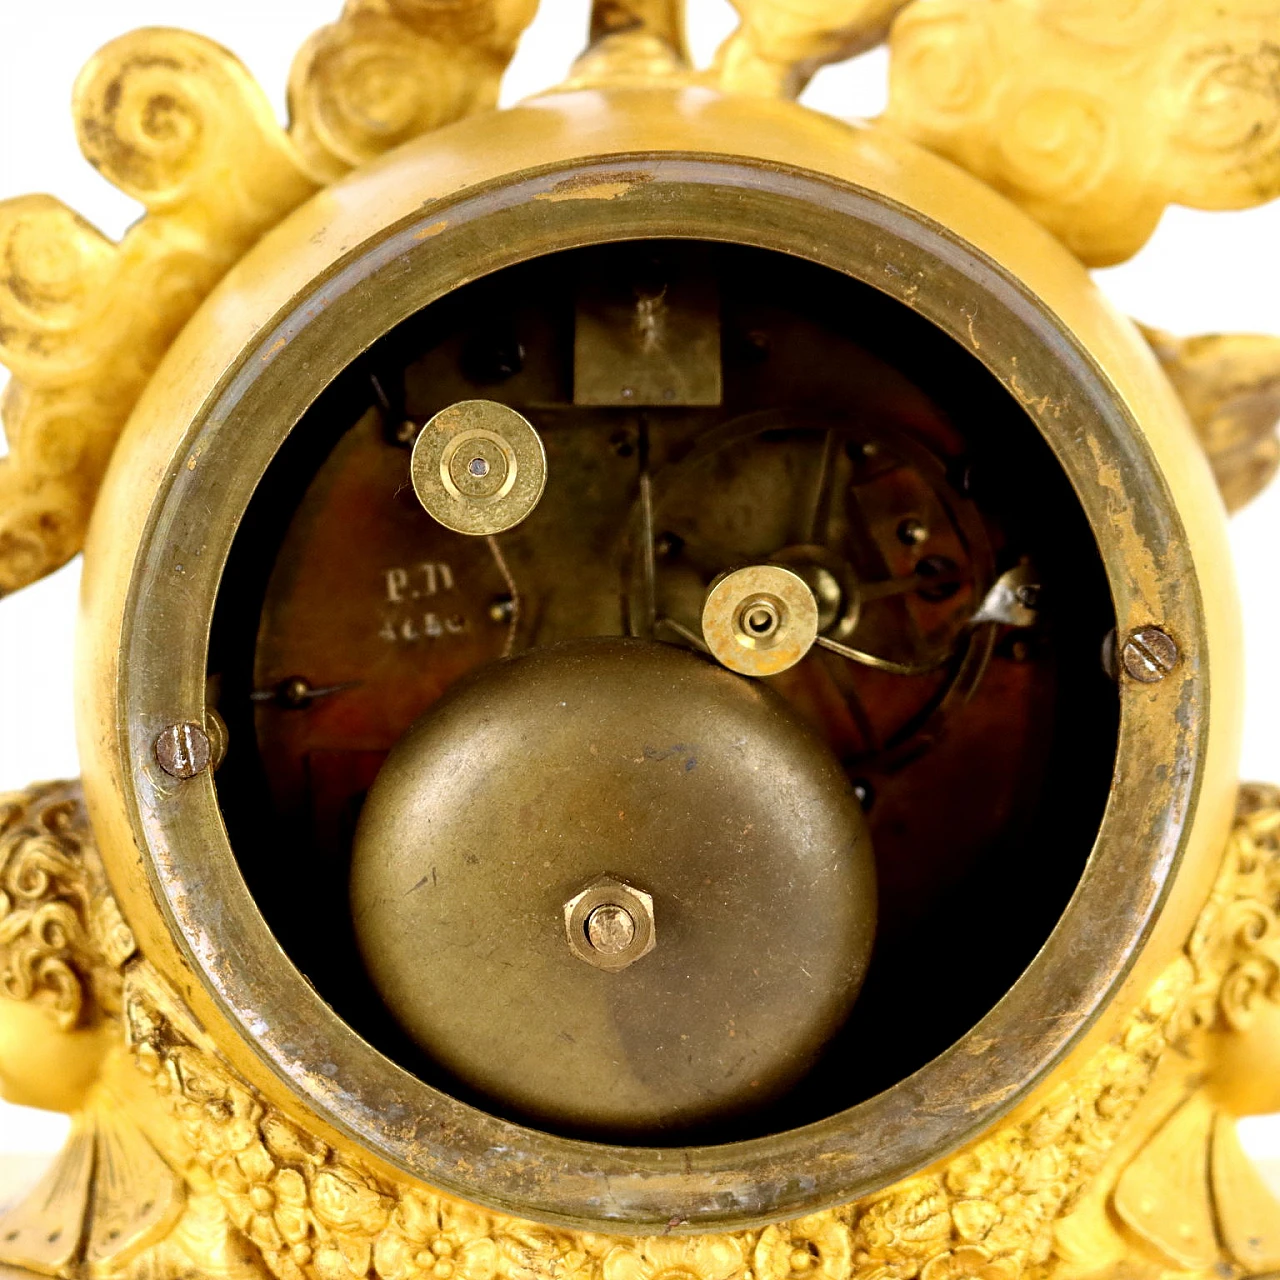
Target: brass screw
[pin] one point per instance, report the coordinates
(294, 692)
(912, 532)
(609, 924)
(611, 929)
(183, 750)
(1149, 655)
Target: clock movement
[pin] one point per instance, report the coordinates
(659, 682)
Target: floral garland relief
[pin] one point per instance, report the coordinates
(234, 1188)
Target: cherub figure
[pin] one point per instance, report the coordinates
(1179, 1195)
(112, 1204)
(61, 1001)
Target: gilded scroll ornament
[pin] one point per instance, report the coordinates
(389, 70)
(1230, 384)
(178, 123)
(1095, 117)
(779, 44)
(229, 1179)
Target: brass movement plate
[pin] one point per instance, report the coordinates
(652, 338)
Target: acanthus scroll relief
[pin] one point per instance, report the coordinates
(1096, 117)
(1092, 117)
(177, 123)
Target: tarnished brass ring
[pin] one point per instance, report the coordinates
(151, 598)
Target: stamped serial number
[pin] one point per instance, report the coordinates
(418, 582)
(424, 626)
(405, 585)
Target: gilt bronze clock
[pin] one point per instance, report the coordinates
(659, 683)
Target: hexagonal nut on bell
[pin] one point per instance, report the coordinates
(610, 924)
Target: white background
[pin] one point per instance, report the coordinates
(1202, 272)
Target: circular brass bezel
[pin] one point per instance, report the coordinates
(169, 578)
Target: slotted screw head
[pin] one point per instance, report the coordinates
(183, 750)
(1149, 655)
